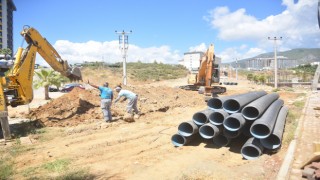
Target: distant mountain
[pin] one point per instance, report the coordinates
(302, 55)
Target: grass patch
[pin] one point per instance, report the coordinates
(57, 170)
(75, 175)
(299, 104)
(142, 71)
(6, 168)
(155, 71)
(58, 165)
(276, 90)
(293, 117)
(29, 171)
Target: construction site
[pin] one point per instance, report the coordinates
(66, 137)
(197, 119)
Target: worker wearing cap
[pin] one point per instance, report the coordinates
(106, 96)
(133, 99)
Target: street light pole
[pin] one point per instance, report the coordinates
(123, 46)
(275, 39)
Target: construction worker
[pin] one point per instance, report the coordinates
(106, 96)
(132, 104)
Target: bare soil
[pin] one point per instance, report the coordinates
(141, 149)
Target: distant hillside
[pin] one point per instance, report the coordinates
(302, 55)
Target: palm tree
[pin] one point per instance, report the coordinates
(5, 51)
(47, 78)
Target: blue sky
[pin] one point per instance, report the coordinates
(163, 30)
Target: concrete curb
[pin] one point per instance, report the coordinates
(284, 171)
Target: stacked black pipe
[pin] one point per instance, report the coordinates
(257, 116)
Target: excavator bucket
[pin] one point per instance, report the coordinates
(75, 74)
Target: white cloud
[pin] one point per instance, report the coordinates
(241, 52)
(109, 52)
(201, 47)
(297, 25)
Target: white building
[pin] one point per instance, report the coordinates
(191, 60)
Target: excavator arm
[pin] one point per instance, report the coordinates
(20, 76)
(16, 87)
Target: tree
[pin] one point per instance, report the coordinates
(262, 79)
(47, 78)
(250, 77)
(5, 51)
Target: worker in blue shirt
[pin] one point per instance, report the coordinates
(133, 99)
(106, 96)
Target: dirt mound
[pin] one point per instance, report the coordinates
(81, 106)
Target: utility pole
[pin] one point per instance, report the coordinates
(236, 69)
(275, 39)
(123, 46)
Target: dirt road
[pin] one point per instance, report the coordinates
(143, 149)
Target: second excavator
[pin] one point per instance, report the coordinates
(207, 79)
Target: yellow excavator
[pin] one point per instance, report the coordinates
(16, 86)
(207, 79)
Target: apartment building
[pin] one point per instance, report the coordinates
(6, 24)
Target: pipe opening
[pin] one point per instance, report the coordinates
(250, 152)
(216, 118)
(207, 132)
(260, 131)
(232, 124)
(178, 140)
(199, 118)
(250, 113)
(231, 106)
(214, 103)
(185, 129)
(221, 140)
(271, 142)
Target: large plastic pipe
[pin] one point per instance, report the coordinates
(202, 117)
(216, 102)
(221, 140)
(179, 140)
(274, 140)
(235, 104)
(256, 108)
(231, 134)
(262, 127)
(218, 116)
(209, 131)
(234, 122)
(188, 128)
(252, 149)
(246, 129)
